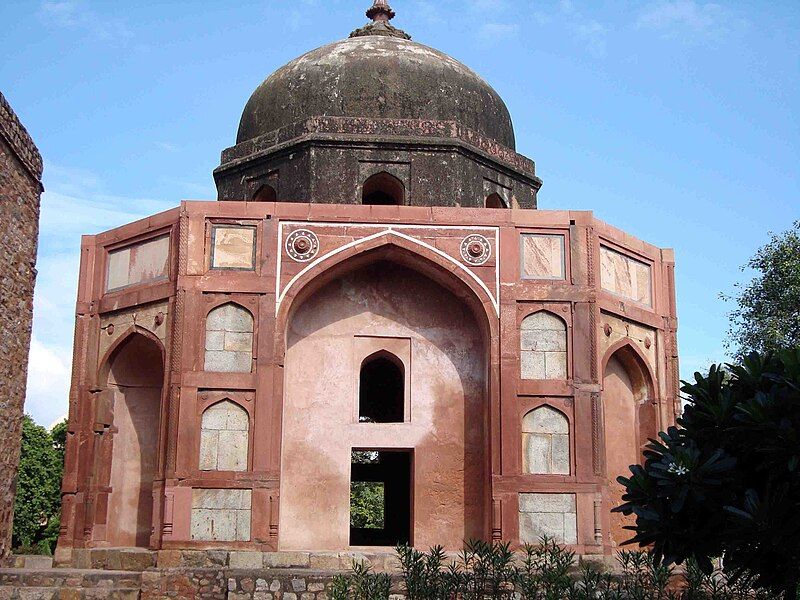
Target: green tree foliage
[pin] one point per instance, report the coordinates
(38, 500)
(366, 505)
(726, 481)
(767, 316)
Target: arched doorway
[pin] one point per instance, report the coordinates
(266, 193)
(494, 201)
(135, 376)
(629, 420)
(383, 189)
(443, 439)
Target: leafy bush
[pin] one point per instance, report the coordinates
(726, 481)
(546, 571)
(361, 584)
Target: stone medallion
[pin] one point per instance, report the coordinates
(302, 245)
(475, 249)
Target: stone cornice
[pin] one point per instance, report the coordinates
(408, 129)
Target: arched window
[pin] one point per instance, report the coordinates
(381, 389)
(229, 339)
(545, 442)
(266, 193)
(543, 347)
(224, 437)
(494, 201)
(383, 189)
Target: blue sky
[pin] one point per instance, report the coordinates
(675, 120)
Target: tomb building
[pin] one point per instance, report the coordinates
(376, 310)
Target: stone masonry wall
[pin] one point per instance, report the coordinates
(20, 191)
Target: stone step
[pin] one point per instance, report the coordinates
(68, 584)
(163, 584)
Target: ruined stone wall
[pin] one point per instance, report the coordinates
(20, 189)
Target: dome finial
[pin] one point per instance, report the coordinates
(380, 11)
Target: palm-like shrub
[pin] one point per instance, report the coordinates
(726, 481)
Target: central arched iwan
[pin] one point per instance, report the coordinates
(445, 433)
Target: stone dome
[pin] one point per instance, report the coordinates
(380, 77)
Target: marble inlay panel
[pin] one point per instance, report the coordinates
(138, 263)
(233, 247)
(625, 276)
(542, 256)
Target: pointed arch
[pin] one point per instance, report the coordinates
(132, 375)
(265, 193)
(381, 389)
(494, 200)
(397, 247)
(543, 346)
(229, 339)
(629, 419)
(545, 441)
(636, 363)
(383, 189)
(224, 437)
(116, 345)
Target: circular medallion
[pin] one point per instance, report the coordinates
(302, 245)
(475, 249)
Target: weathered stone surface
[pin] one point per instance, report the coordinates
(20, 189)
(229, 340)
(552, 515)
(286, 559)
(245, 560)
(224, 437)
(543, 347)
(222, 515)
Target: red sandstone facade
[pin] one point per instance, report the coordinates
(218, 346)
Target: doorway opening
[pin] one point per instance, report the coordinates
(383, 189)
(381, 389)
(380, 497)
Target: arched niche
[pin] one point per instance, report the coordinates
(543, 346)
(494, 201)
(381, 389)
(229, 339)
(134, 376)
(266, 193)
(446, 433)
(545, 442)
(224, 437)
(629, 419)
(383, 189)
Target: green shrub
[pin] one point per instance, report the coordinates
(545, 571)
(361, 584)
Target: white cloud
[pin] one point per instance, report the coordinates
(49, 369)
(76, 16)
(689, 19)
(495, 32)
(587, 30)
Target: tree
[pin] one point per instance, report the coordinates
(726, 481)
(38, 499)
(767, 315)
